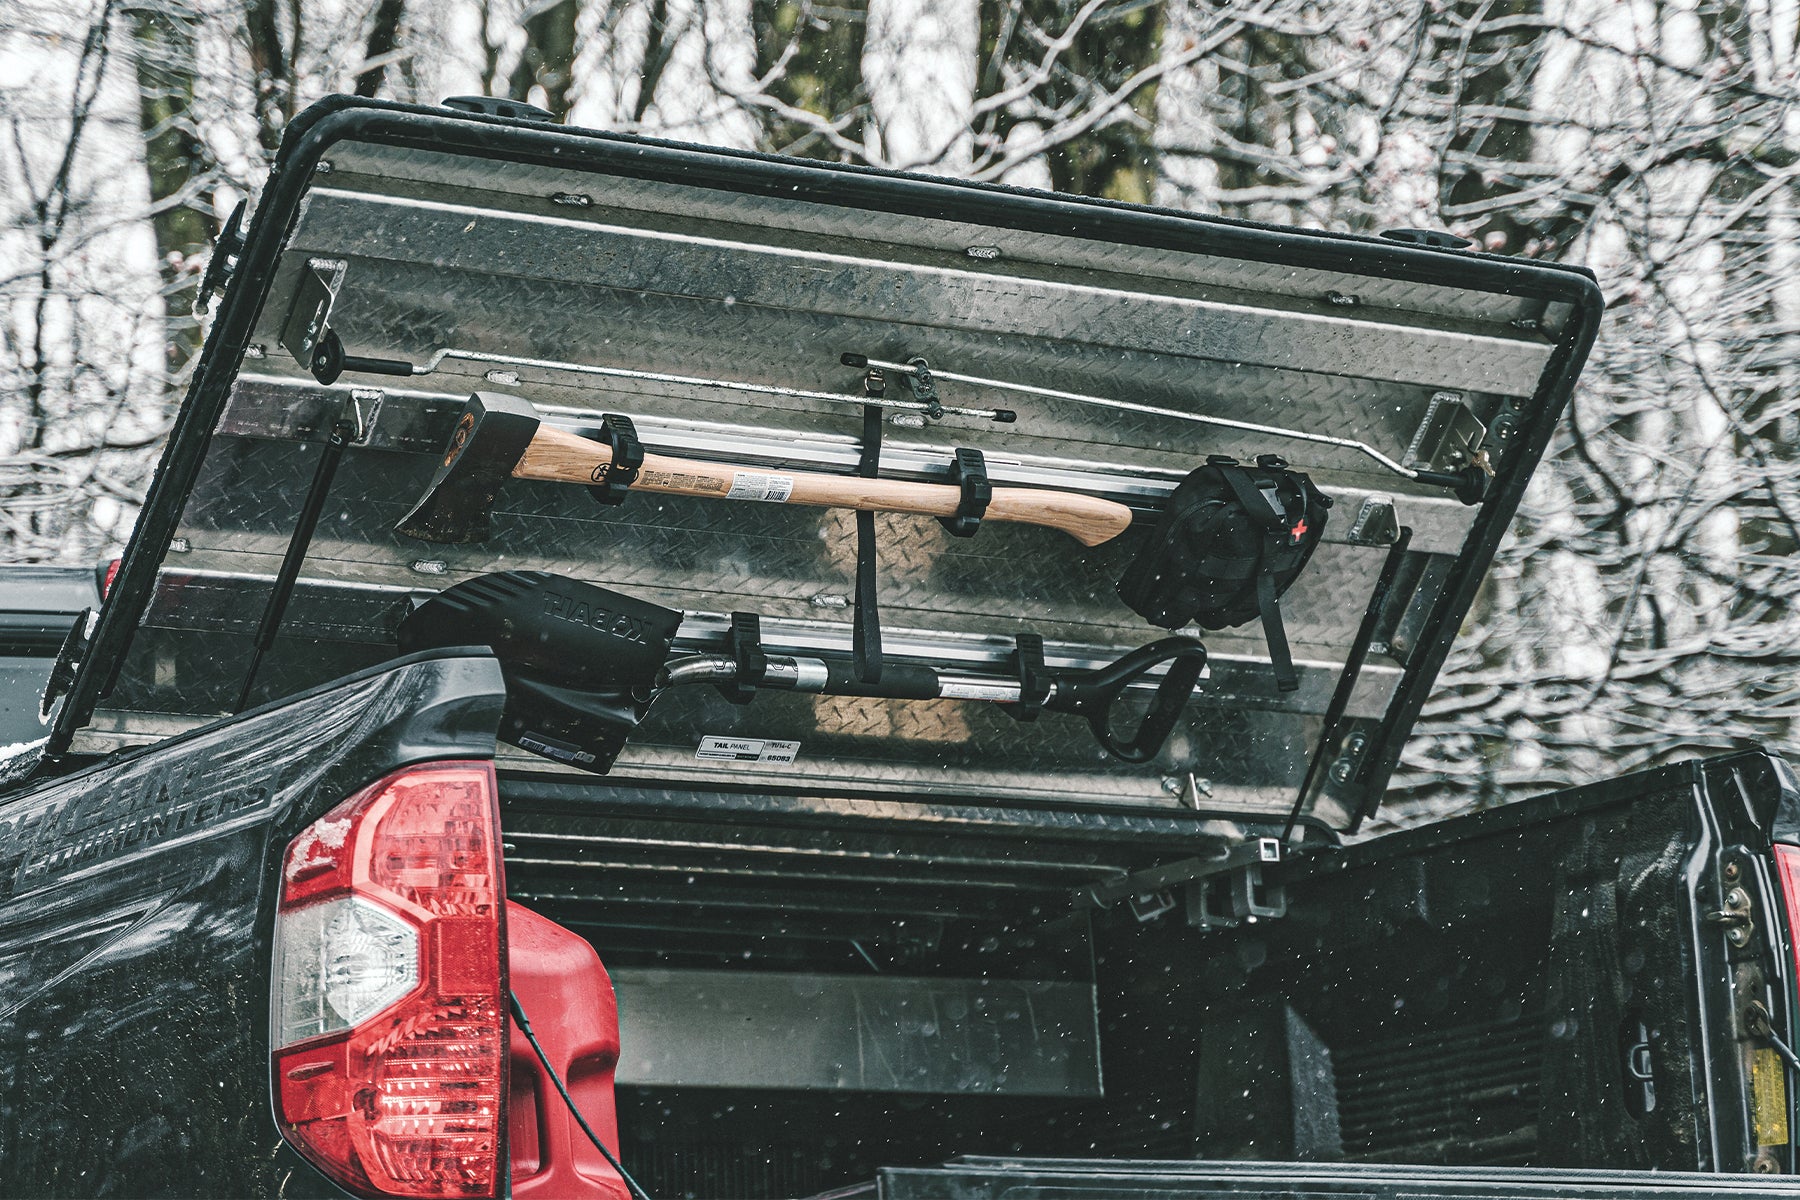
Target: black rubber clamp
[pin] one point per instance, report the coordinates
(1034, 682)
(612, 480)
(743, 641)
(970, 474)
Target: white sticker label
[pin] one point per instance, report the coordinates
(756, 750)
(753, 485)
(957, 690)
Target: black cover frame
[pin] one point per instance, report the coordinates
(346, 118)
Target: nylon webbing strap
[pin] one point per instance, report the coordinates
(1263, 507)
(1283, 662)
(865, 630)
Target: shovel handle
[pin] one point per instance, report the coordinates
(557, 454)
(1092, 694)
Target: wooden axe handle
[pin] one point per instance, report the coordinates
(557, 454)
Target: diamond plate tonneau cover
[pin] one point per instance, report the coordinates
(712, 298)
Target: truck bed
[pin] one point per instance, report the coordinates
(1463, 995)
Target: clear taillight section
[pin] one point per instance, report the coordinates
(337, 963)
(388, 1006)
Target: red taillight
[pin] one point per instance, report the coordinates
(106, 579)
(388, 1001)
(1787, 866)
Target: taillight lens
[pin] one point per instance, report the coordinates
(388, 1005)
(1787, 865)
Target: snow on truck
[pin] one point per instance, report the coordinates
(657, 671)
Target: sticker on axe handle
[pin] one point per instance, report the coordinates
(756, 750)
(754, 485)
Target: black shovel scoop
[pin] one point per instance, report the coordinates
(579, 661)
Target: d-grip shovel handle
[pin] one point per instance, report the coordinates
(1089, 694)
(1092, 694)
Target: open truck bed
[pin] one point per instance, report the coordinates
(852, 935)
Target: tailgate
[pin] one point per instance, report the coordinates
(713, 298)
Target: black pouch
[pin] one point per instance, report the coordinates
(1231, 541)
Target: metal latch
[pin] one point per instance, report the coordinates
(1376, 523)
(1734, 917)
(1235, 888)
(307, 333)
(1437, 239)
(499, 106)
(309, 314)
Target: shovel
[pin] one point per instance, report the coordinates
(583, 665)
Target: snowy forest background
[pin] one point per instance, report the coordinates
(1637, 614)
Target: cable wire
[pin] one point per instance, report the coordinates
(518, 1012)
(1782, 1048)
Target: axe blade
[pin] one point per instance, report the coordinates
(490, 437)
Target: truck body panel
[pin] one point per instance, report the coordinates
(135, 924)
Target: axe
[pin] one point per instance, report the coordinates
(500, 436)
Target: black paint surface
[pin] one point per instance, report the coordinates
(136, 910)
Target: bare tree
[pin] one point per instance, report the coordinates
(545, 69)
(272, 59)
(177, 161)
(75, 446)
(1639, 610)
(384, 37)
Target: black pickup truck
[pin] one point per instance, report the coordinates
(882, 915)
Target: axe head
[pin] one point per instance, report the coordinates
(489, 439)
